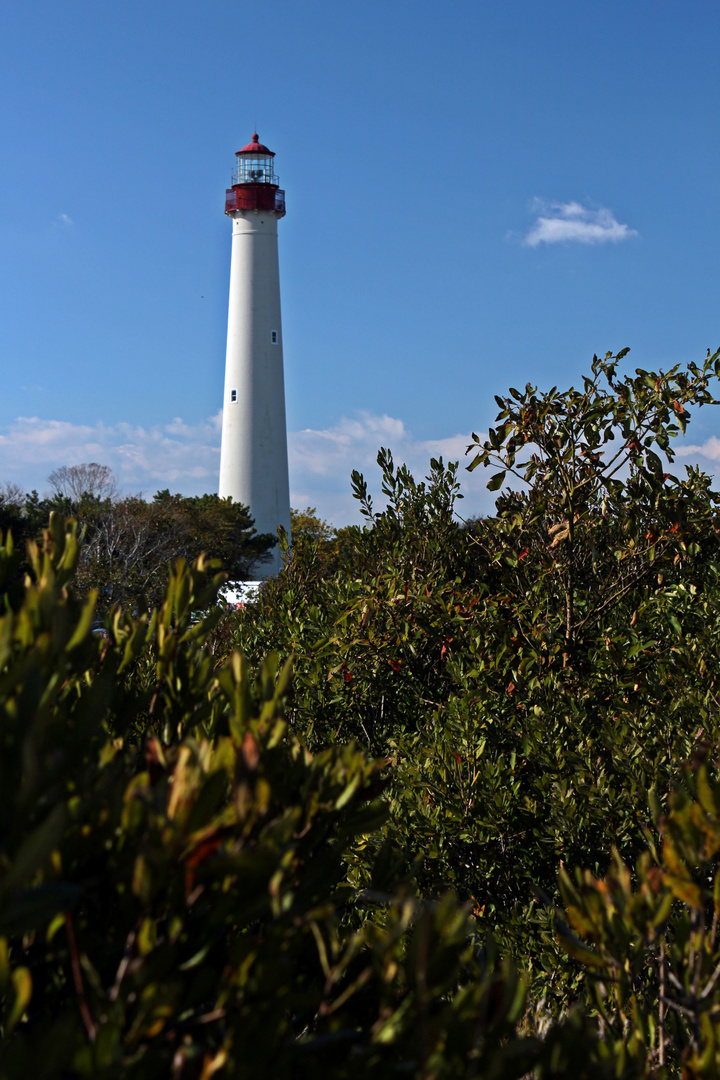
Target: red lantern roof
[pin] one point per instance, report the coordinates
(255, 147)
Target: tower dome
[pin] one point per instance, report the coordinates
(255, 147)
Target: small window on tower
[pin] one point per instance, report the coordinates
(233, 395)
(273, 336)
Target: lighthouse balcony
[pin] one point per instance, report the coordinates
(255, 197)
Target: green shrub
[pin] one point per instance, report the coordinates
(648, 941)
(175, 894)
(532, 677)
(209, 867)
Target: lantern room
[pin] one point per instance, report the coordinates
(255, 164)
(255, 184)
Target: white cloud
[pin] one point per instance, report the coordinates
(142, 458)
(563, 223)
(710, 449)
(65, 219)
(321, 462)
(185, 457)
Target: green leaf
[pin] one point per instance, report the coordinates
(348, 792)
(496, 482)
(706, 796)
(208, 802)
(22, 985)
(576, 948)
(85, 621)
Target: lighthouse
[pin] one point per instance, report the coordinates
(253, 453)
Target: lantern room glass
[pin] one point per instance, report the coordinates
(255, 169)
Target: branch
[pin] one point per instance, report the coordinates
(77, 979)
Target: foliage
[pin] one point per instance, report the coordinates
(202, 888)
(531, 678)
(650, 946)
(367, 638)
(173, 871)
(601, 510)
(129, 542)
(305, 525)
(321, 548)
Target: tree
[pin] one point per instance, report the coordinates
(129, 544)
(12, 499)
(87, 481)
(316, 542)
(221, 528)
(175, 861)
(306, 525)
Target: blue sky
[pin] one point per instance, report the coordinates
(479, 195)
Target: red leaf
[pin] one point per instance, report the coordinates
(523, 553)
(250, 751)
(204, 850)
(155, 759)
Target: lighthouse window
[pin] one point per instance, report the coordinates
(233, 395)
(256, 170)
(273, 337)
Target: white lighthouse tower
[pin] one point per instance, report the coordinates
(253, 454)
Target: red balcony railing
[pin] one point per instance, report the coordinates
(255, 197)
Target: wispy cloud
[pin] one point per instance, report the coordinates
(321, 461)
(185, 457)
(64, 219)
(573, 223)
(142, 458)
(710, 450)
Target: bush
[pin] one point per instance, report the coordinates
(205, 870)
(176, 869)
(529, 679)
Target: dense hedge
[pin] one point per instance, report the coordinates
(530, 676)
(321, 836)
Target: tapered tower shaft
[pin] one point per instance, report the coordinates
(253, 454)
